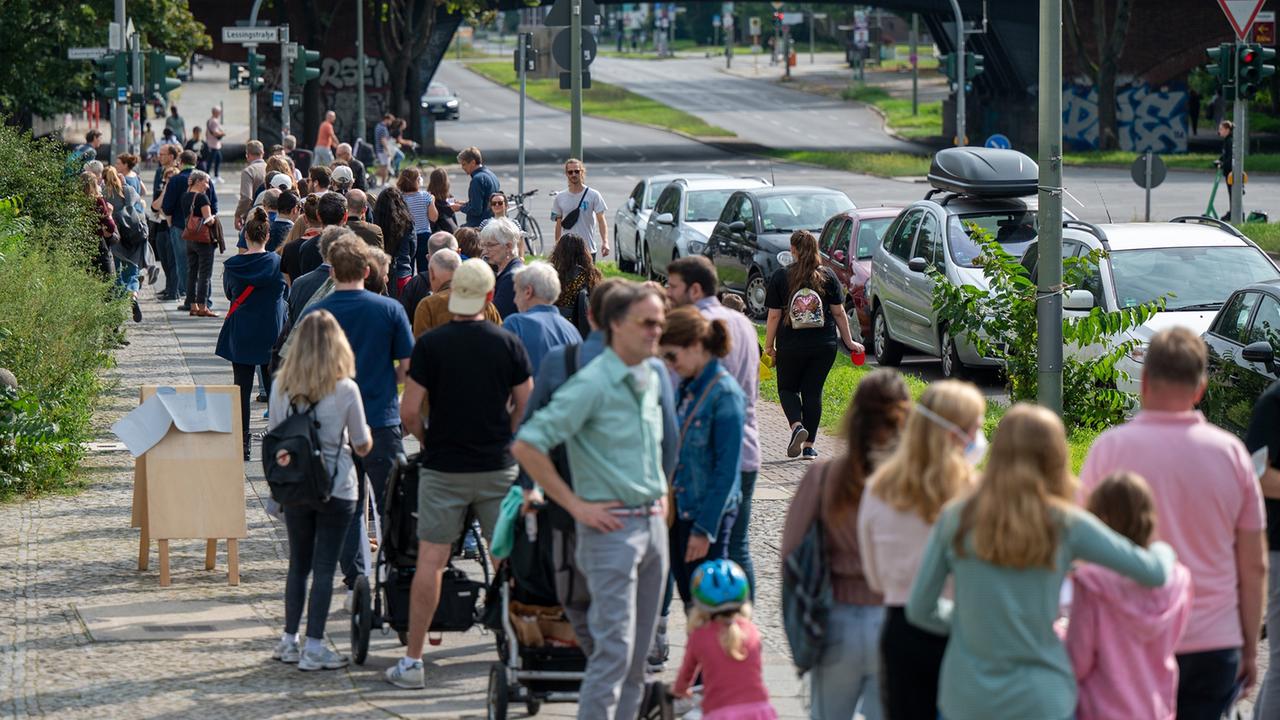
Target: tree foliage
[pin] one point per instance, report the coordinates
(1110, 27)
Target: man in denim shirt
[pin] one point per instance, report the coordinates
(619, 496)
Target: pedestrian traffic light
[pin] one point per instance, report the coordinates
(947, 63)
(256, 66)
(1253, 68)
(237, 76)
(973, 65)
(1222, 67)
(111, 72)
(302, 70)
(158, 67)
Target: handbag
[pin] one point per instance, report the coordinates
(195, 230)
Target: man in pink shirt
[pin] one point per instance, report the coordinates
(326, 140)
(1209, 508)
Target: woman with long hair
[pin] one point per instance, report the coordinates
(579, 276)
(846, 678)
(125, 163)
(1007, 546)
(932, 463)
(806, 314)
(125, 201)
(392, 215)
(107, 232)
(422, 208)
(438, 188)
(317, 376)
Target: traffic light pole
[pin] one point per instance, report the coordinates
(287, 51)
(119, 110)
(360, 119)
(575, 79)
(1239, 138)
(1049, 286)
(253, 101)
(522, 45)
(915, 63)
(961, 137)
(139, 91)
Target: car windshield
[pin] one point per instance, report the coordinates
(705, 205)
(438, 91)
(870, 233)
(1198, 278)
(788, 213)
(1013, 229)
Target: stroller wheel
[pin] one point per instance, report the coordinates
(498, 692)
(361, 620)
(532, 705)
(404, 637)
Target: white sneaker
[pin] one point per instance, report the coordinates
(286, 652)
(322, 659)
(409, 678)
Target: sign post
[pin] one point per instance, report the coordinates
(1049, 283)
(1241, 14)
(251, 37)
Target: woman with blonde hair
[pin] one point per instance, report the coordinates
(1007, 546)
(317, 377)
(132, 253)
(932, 464)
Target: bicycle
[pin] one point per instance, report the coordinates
(524, 220)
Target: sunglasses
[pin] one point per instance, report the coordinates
(496, 203)
(649, 323)
(572, 172)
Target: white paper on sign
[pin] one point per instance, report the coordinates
(148, 423)
(1260, 459)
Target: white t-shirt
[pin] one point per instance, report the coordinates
(589, 202)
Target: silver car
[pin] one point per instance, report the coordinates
(632, 217)
(683, 218)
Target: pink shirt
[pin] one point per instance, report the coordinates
(892, 543)
(725, 681)
(1205, 493)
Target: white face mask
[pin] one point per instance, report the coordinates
(975, 448)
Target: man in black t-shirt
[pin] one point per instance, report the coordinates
(1264, 437)
(476, 379)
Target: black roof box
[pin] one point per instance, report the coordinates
(984, 172)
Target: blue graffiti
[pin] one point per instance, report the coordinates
(1147, 118)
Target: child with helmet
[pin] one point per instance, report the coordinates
(724, 647)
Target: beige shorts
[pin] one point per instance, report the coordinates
(444, 498)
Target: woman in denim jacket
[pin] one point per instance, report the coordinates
(712, 415)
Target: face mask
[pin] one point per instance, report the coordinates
(975, 448)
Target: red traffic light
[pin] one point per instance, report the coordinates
(1248, 56)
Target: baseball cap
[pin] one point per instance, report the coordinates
(280, 181)
(472, 283)
(342, 174)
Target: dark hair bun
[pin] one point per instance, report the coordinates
(717, 342)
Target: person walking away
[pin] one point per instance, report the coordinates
(176, 125)
(149, 146)
(126, 212)
(805, 325)
(1121, 635)
(419, 286)
(538, 323)
(618, 499)
(107, 232)
(846, 678)
(200, 251)
(392, 215)
(326, 140)
(317, 377)
(932, 464)
(214, 133)
(483, 185)
(384, 148)
(252, 177)
(579, 276)
(1210, 508)
(438, 187)
(724, 647)
(1007, 546)
(433, 310)
(500, 241)
(422, 208)
(1263, 441)
(581, 210)
(256, 289)
(198, 146)
(477, 379)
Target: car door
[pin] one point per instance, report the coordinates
(1256, 377)
(891, 272)
(1225, 402)
(833, 251)
(625, 232)
(660, 237)
(727, 246)
(921, 324)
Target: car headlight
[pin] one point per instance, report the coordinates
(696, 247)
(452, 104)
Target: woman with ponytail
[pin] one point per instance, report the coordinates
(712, 415)
(806, 323)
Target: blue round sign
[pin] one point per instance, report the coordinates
(998, 141)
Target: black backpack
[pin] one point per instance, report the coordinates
(301, 481)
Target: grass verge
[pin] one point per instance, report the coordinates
(1260, 162)
(1267, 235)
(605, 101)
(867, 163)
(925, 124)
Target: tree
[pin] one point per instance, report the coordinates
(1109, 46)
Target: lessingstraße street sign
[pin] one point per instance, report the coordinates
(233, 34)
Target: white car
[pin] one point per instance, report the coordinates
(683, 218)
(630, 220)
(1195, 263)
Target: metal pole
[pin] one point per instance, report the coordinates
(521, 42)
(360, 117)
(786, 51)
(961, 138)
(119, 110)
(1049, 287)
(138, 91)
(811, 36)
(915, 64)
(287, 53)
(1148, 184)
(1237, 146)
(726, 15)
(575, 79)
(253, 94)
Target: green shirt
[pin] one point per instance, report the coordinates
(612, 430)
(1003, 658)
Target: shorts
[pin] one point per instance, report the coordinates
(444, 497)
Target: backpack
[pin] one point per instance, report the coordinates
(302, 481)
(131, 225)
(806, 594)
(805, 310)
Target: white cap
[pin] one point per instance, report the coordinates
(280, 181)
(469, 291)
(342, 174)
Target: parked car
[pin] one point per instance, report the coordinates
(630, 220)
(683, 218)
(1244, 341)
(756, 226)
(441, 102)
(846, 243)
(1193, 262)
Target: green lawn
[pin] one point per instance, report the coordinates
(867, 163)
(1267, 235)
(926, 124)
(603, 100)
(1259, 162)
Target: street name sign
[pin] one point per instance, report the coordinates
(250, 35)
(86, 53)
(1241, 14)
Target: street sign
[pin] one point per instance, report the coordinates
(1264, 29)
(792, 18)
(114, 40)
(122, 94)
(562, 48)
(249, 35)
(560, 15)
(1138, 171)
(277, 98)
(86, 53)
(753, 25)
(861, 37)
(998, 141)
(715, 21)
(1241, 14)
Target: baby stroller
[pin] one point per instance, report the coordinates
(386, 605)
(539, 659)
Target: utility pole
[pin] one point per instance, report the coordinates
(253, 94)
(961, 137)
(1238, 140)
(360, 119)
(287, 52)
(1049, 287)
(915, 63)
(138, 91)
(727, 24)
(119, 110)
(811, 21)
(575, 79)
(522, 41)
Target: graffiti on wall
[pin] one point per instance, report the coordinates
(1147, 118)
(338, 80)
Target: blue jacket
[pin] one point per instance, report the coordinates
(483, 184)
(248, 334)
(172, 203)
(707, 481)
(402, 263)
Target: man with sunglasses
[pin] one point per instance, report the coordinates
(580, 209)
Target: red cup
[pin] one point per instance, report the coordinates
(858, 358)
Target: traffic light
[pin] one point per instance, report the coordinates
(777, 18)
(1253, 68)
(256, 67)
(947, 63)
(238, 76)
(973, 65)
(111, 72)
(158, 67)
(1222, 67)
(302, 70)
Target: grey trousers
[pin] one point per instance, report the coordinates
(1269, 696)
(626, 572)
(571, 588)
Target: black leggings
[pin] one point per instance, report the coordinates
(910, 660)
(801, 375)
(242, 376)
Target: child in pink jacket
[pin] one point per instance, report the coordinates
(1122, 635)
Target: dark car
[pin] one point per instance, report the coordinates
(440, 101)
(1243, 341)
(756, 225)
(846, 242)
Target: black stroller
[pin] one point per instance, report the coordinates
(386, 604)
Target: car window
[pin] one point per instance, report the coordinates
(1192, 278)
(705, 205)
(668, 201)
(437, 90)
(829, 240)
(900, 244)
(740, 209)
(1013, 229)
(1233, 321)
(870, 232)
(655, 189)
(929, 242)
(808, 211)
(1266, 323)
(638, 194)
(1078, 253)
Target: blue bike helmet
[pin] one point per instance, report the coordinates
(720, 586)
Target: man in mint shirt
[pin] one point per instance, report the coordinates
(609, 417)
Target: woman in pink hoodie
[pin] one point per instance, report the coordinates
(1122, 635)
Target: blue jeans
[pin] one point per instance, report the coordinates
(681, 571)
(739, 543)
(377, 466)
(847, 677)
(127, 276)
(420, 253)
(315, 539)
(178, 250)
(1205, 682)
(215, 161)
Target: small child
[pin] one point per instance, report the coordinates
(1121, 636)
(724, 646)
(733, 301)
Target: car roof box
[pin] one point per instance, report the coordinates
(984, 172)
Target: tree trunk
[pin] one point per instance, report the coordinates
(1108, 138)
(411, 95)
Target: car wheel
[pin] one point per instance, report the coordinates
(627, 266)
(952, 368)
(888, 351)
(755, 296)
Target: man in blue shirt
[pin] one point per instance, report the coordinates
(539, 324)
(483, 185)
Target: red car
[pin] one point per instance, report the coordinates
(846, 242)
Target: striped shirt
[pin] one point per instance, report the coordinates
(418, 203)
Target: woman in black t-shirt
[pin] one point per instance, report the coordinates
(199, 253)
(806, 323)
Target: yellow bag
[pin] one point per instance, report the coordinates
(766, 367)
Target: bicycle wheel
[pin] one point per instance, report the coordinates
(532, 234)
